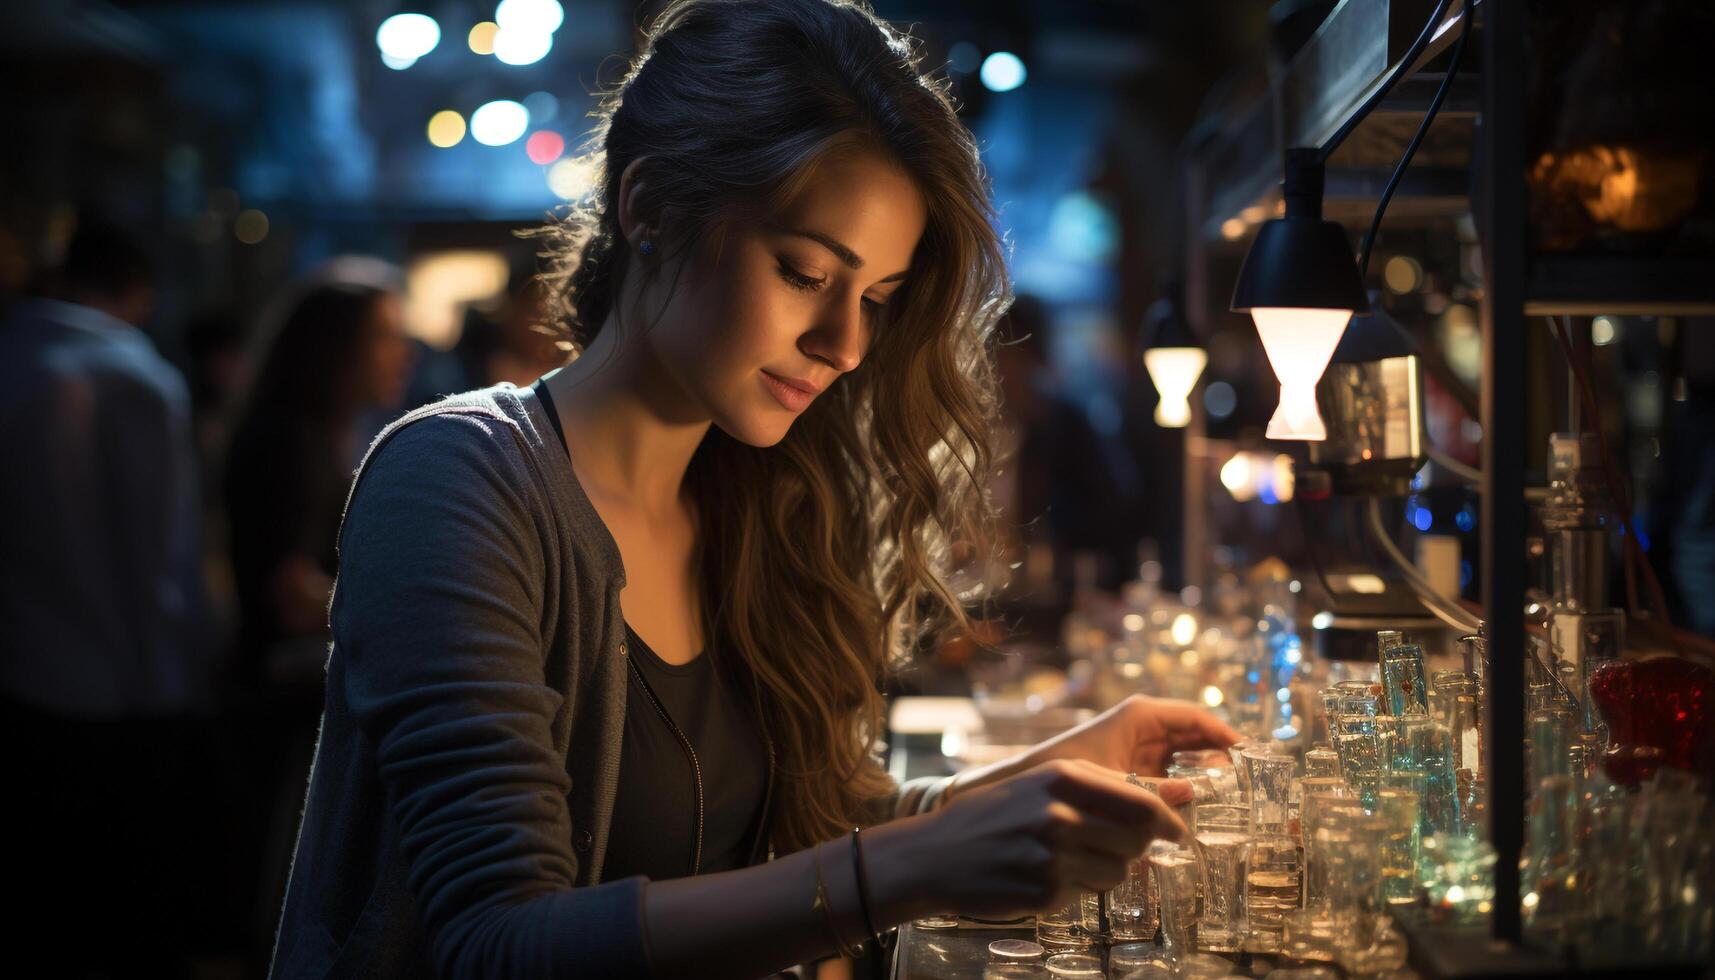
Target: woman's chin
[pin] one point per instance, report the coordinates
(759, 429)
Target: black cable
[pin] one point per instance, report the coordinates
(1417, 46)
(1416, 141)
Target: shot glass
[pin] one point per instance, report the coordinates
(1132, 905)
(1399, 852)
(1272, 890)
(1317, 806)
(1233, 817)
(1177, 873)
(1221, 927)
(1321, 761)
(1070, 927)
(1270, 779)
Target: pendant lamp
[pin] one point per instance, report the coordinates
(1172, 357)
(1300, 284)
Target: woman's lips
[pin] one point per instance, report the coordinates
(792, 398)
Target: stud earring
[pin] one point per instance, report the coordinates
(646, 246)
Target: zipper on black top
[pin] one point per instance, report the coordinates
(691, 753)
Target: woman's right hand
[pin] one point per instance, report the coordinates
(1032, 841)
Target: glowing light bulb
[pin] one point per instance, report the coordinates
(1175, 371)
(1299, 343)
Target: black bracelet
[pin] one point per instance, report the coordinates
(863, 887)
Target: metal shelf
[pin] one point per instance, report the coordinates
(1587, 285)
(1360, 43)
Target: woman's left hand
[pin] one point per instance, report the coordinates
(1138, 735)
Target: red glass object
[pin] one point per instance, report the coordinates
(1657, 713)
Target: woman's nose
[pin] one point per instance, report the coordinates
(840, 338)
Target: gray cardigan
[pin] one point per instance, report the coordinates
(464, 780)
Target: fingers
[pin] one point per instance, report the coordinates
(1191, 727)
(1173, 792)
(1104, 793)
(1092, 871)
(1116, 841)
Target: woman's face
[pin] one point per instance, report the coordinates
(754, 334)
(388, 356)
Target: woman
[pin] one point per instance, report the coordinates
(781, 296)
(336, 355)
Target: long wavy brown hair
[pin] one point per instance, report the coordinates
(827, 555)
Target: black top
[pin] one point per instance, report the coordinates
(654, 830)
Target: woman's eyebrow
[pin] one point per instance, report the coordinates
(846, 255)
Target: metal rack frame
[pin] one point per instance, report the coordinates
(1238, 169)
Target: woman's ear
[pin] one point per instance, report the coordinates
(637, 217)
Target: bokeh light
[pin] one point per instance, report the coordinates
(1220, 399)
(1002, 71)
(543, 107)
(250, 226)
(1402, 274)
(963, 57)
(544, 16)
(481, 37)
(544, 146)
(1604, 330)
(403, 38)
(499, 122)
(446, 128)
(520, 47)
(572, 177)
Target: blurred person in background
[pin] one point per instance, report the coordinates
(104, 673)
(603, 693)
(338, 354)
(335, 357)
(500, 341)
(512, 345)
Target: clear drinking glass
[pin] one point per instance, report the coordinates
(1075, 965)
(1273, 889)
(1347, 842)
(1270, 779)
(1132, 909)
(1399, 807)
(1177, 874)
(1445, 685)
(1316, 807)
(1363, 758)
(1233, 817)
(1321, 761)
(1072, 926)
(1221, 927)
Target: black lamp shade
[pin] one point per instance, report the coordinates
(1302, 263)
(1373, 336)
(1164, 323)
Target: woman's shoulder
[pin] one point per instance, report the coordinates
(491, 423)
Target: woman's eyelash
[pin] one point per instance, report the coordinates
(797, 280)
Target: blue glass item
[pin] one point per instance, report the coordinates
(1402, 680)
(1429, 745)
